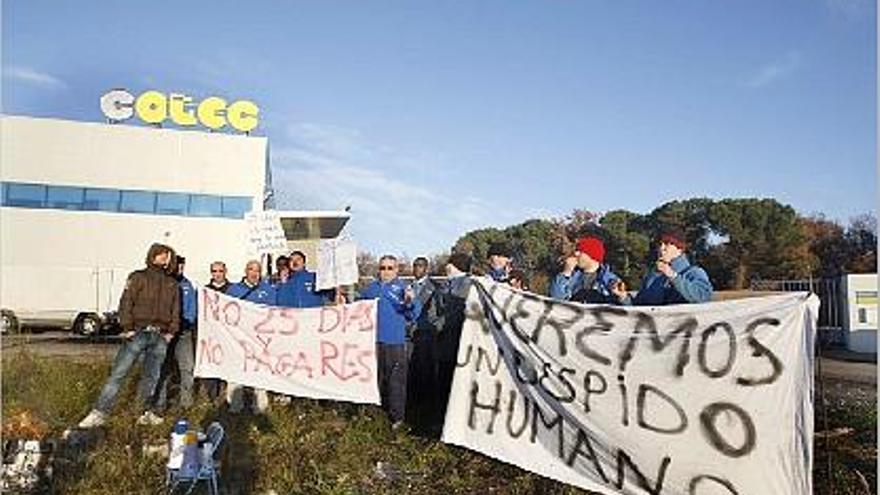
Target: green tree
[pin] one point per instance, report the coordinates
(765, 239)
(627, 244)
(829, 250)
(477, 242)
(861, 241)
(530, 242)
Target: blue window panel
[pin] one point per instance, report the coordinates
(65, 197)
(172, 203)
(102, 200)
(26, 195)
(235, 207)
(138, 202)
(204, 205)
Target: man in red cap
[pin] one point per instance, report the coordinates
(585, 278)
(674, 280)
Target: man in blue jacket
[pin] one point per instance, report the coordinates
(397, 306)
(500, 256)
(585, 277)
(180, 357)
(255, 289)
(300, 288)
(673, 280)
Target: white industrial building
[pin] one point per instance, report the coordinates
(860, 312)
(82, 202)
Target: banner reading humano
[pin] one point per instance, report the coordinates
(698, 399)
(322, 353)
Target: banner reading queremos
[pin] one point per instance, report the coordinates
(692, 399)
(322, 353)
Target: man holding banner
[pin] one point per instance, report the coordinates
(585, 277)
(500, 256)
(674, 280)
(300, 290)
(452, 301)
(254, 289)
(397, 307)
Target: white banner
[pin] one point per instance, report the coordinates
(322, 353)
(683, 400)
(264, 233)
(337, 263)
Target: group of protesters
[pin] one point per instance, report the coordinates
(419, 323)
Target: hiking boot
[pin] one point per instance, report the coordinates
(150, 418)
(95, 419)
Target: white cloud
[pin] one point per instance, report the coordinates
(33, 77)
(774, 71)
(329, 167)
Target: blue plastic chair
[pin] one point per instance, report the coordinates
(208, 469)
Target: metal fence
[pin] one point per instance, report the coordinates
(831, 295)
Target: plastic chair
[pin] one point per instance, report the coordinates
(208, 468)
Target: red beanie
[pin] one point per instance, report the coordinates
(592, 247)
(674, 237)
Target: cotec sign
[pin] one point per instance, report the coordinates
(154, 107)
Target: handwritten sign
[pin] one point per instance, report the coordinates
(691, 399)
(264, 233)
(337, 263)
(322, 353)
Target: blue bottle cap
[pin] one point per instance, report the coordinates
(181, 426)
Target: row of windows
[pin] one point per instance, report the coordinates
(123, 200)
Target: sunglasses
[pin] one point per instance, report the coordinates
(385, 268)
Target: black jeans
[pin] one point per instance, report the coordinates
(393, 367)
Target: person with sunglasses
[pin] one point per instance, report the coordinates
(397, 307)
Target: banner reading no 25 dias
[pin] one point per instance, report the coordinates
(322, 353)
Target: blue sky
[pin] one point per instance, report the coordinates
(434, 118)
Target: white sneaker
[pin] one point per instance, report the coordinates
(150, 418)
(93, 420)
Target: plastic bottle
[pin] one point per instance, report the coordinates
(190, 465)
(175, 451)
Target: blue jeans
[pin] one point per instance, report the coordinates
(178, 364)
(153, 346)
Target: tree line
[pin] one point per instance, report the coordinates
(737, 241)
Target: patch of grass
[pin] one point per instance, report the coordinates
(56, 391)
(317, 447)
(847, 465)
(309, 446)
